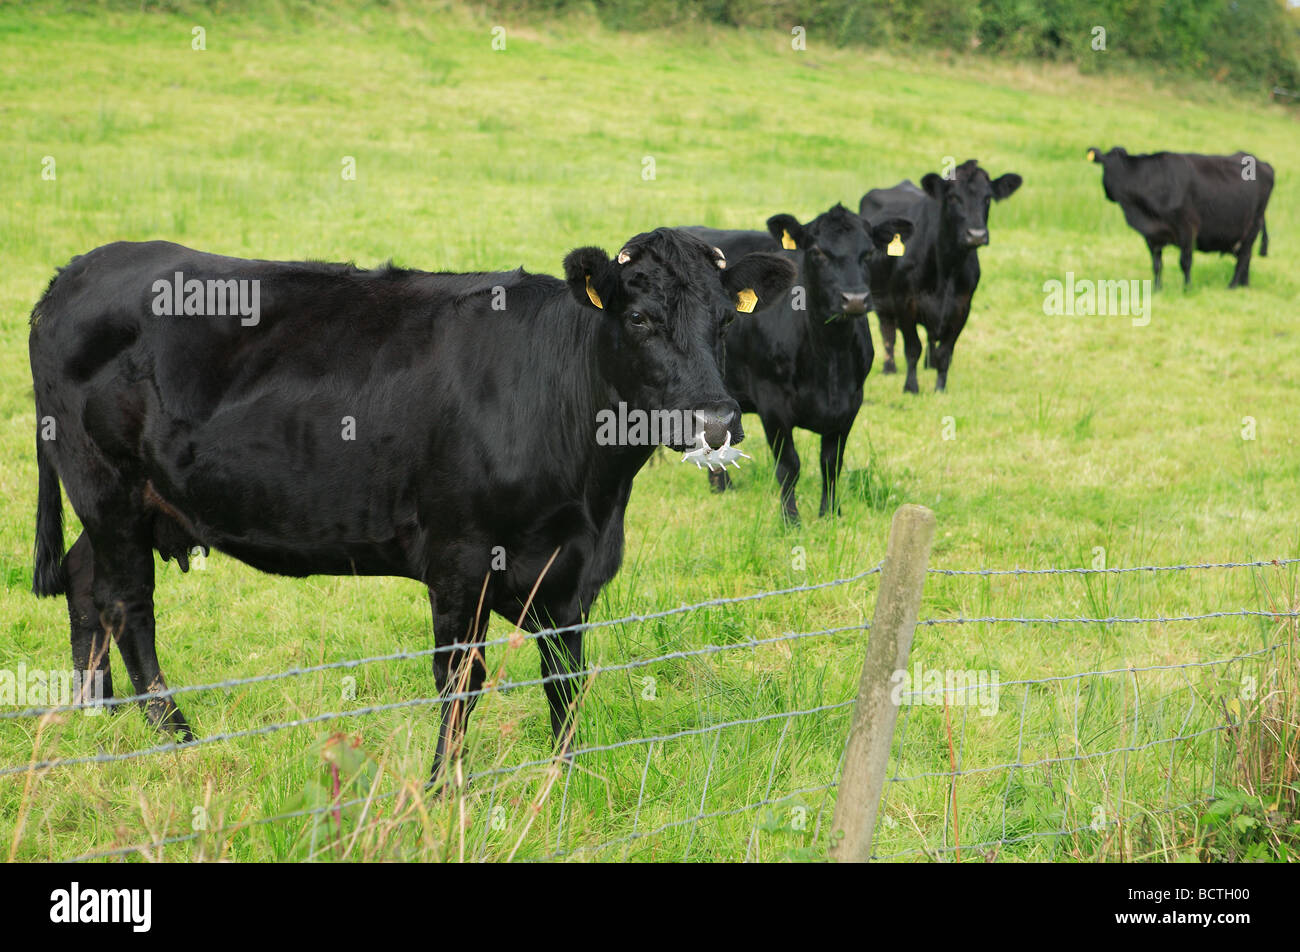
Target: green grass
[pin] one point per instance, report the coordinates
(1070, 434)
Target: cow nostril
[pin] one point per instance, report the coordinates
(854, 303)
(716, 422)
(715, 416)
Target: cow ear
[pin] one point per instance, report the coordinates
(891, 235)
(1004, 185)
(933, 185)
(787, 230)
(1094, 154)
(757, 280)
(591, 277)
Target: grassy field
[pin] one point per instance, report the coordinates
(1070, 434)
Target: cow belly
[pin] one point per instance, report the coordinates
(1149, 226)
(1223, 239)
(831, 411)
(830, 396)
(301, 505)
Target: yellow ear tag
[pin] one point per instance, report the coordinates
(745, 301)
(787, 242)
(591, 293)
(895, 249)
(1092, 155)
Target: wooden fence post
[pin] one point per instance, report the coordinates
(872, 730)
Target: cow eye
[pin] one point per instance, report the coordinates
(637, 319)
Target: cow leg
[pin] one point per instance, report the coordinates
(1157, 260)
(459, 666)
(833, 445)
(1241, 274)
(912, 350)
(719, 480)
(562, 655)
(90, 654)
(888, 332)
(122, 593)
(1185, 261)
(780, 438)
(942, 360)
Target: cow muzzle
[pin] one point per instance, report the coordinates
(976, 237)
(717, 421)
(855, 302)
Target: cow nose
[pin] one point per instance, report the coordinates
(854, 302)
(716, 421)
(977, 236)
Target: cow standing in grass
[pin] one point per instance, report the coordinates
(932, 282)
(803, 364)
(440, 427)
(1197, 202)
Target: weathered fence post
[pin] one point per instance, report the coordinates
(874, 715)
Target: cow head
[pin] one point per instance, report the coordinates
(662, 303)
(1096, 155)
(964, 202)
(1112, 164)
(836, 246)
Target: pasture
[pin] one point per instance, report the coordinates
(1169, 443)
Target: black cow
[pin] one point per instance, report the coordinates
(931, 284)
(803, 364)
(1201, 202)
(440, 427)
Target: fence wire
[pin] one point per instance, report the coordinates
(910, 796)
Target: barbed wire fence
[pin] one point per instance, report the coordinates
(1064, 786)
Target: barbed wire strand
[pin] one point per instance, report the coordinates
(415, 702)
(516, 638)
(1114, 620)
(686, 608)
(1118, 571)
(1052, 678)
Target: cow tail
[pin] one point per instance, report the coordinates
(48, 576)
(1263, 241)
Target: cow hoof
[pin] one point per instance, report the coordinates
(911, 388)
(889, 367)
(163, 715)
(440, 786)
